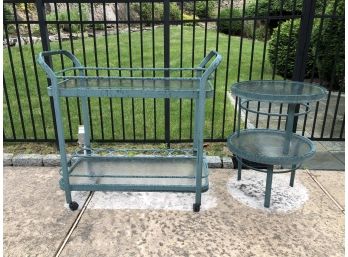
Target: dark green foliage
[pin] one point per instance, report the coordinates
(283, 57)
(8, 13)
(175, 12)
(276, 7)
(260, 30)
(63, 16)
(145, 12)
(330, 57)
(233, 27)
(202, 10)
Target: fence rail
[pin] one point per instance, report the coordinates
(154, 33)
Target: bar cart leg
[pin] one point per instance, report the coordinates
(63, 160)
(195, 133)
(292, 177)
(268, 186)
(199, 130)
(196, 121)
(239, 170)
(86, 122)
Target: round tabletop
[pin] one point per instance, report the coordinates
(284, 91)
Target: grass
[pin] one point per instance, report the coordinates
(143, 127)
(211, 149)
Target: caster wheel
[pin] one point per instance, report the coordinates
(73, 206)
(196, 207)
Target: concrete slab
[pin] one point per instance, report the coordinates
(35, 220)
(230, 229)
(333, 182)
(323, 161)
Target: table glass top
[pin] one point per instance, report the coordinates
(279, 91)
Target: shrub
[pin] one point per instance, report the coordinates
(275, 7)
(283, 58)
(233, 27)
(63, 16)
(260, 30)
(146, 11)
(175, 11)
(190, 18)
(7, 13)
(330, 57)
(202, 9)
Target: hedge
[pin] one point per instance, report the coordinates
(283, 56)
(224, 25)
(330, 47)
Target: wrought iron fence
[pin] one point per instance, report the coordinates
(256, 39)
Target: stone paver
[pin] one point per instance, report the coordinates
(227, 162)
(7, 161)
(339, 155)
(214, 161)
(333, 182)
(27, 160)
(323, 161)
(35, 219)
(333, 145)
(51, 160)
(230, 229)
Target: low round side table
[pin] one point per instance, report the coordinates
(268, 146)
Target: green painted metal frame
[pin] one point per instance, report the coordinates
(296, 98)
(199, 93)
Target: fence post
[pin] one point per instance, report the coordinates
(40, 7)
(166, 42)
(307, 19)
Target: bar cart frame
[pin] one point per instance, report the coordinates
(113, 169)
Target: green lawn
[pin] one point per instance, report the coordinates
(216, 130)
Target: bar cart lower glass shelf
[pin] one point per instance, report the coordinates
(121, 172)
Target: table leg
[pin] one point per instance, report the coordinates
(239, 115)
(292, 177)
(239, 169)
(268, 186)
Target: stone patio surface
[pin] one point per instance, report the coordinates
(36, 222)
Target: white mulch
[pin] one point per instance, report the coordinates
(250, 190)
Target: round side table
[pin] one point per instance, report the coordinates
(268, 146)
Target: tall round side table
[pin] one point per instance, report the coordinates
(268, 146)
